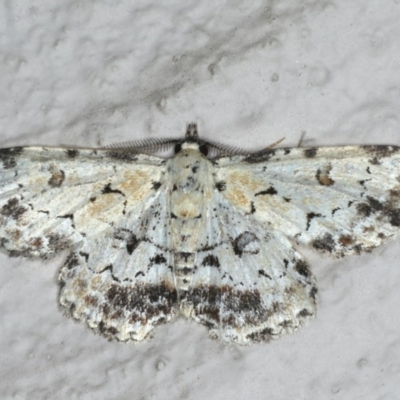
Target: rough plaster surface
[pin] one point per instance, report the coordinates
(249, 73)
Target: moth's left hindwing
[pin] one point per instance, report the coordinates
(102, 205)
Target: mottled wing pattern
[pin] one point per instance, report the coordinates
(339, 200)
(249, 285)
(104, 208)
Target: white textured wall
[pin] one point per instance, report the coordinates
(97, 72)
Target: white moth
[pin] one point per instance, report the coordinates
(151, 239)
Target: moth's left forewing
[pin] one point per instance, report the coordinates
(340, 200)
(51, 197)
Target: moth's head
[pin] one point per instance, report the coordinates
(192, 141)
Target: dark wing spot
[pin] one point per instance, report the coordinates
(375, 161)
(323, 176)
(84, 255)
(8, 156)
(243, 244)
(57, 178)
(158, 259)
(305, 313)
(13, 209)
(221, 186)
(107, 189)
(263, 336)
(362, 182)
(68, 216)
(380, 151)
(72, 153)
(384, 209)
(302, 268)
(36, 242)
(72, 261)
(313, 292)
(311, 152)
(57, 242)
(155, 185)
(394, 217)
(334, 210)
(107, 331)
(373, 206)
(364, 209)
(325, 243)
(90, 301)
(310, 216)
(270, 191)
(376, 205)
(346, 240)
(395, 193)
(261, 272)
(132, 242)
(210, 261)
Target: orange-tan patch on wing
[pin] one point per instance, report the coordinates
(272, 203)
(244, 180)
(102, 204)
(104, 208)
(136, 184)
(38, 182)
(241, 183)
(237, 197)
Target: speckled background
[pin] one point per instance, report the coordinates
(249, 73)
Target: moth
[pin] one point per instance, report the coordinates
(206, 234)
